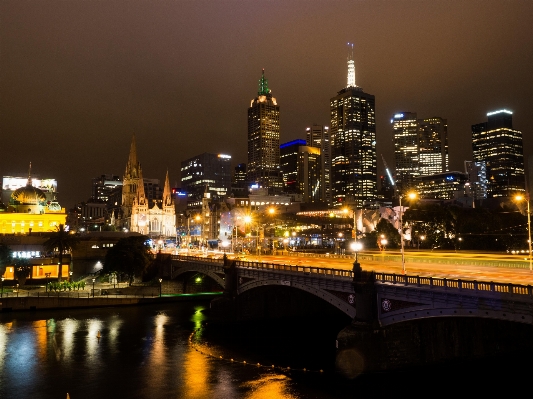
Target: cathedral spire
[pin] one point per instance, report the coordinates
(166, 192)
(141, 196)
(132, 160)
(351, 67)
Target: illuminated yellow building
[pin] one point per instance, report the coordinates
(30, 212)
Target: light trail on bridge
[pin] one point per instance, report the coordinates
(453, 271)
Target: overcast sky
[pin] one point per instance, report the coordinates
(79, 78)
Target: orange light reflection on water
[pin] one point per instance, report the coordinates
(197, 369)
(270, 387)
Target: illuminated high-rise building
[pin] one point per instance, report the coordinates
(433, 146)
(263, 166)
(301, 166)
(405, 136)
(353, 144)
(318, 136)
(496, 143)
(420, 148)
(211, 172)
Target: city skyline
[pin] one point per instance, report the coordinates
(79, 79)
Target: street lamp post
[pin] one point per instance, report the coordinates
(160, 285)
(70, 275)
(93, 286)
(527, 198)
(383, 243)
(411, 196)
(2, 292)
(47, 275)
(356, 247)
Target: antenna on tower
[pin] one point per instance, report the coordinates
(351, 67)
(350, 51)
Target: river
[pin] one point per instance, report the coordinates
(166, 351)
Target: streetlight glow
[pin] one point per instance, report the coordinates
(410, 195)
(520, 197)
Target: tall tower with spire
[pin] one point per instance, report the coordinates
(132, 182)
(353, 144)
(263, 166)
(157, 221)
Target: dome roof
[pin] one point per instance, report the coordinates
(28, 195)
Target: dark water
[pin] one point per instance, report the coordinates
(148, 352)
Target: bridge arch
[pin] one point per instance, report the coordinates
(326, 296)
(200, 269)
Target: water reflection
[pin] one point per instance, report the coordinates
(142, 353)
(270, 386)
(197, 369)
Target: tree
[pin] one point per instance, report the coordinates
(61, 241)
(130, 255)
(22, 269)
(5, 257)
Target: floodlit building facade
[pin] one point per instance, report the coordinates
(496, 143)
(263, 167)
(30, 211)
(138, 215)
(353, 145)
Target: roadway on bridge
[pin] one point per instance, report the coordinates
(453, 271)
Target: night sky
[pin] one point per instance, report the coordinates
(79, 78)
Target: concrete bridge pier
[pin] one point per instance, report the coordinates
(367, 345)
(224, 308)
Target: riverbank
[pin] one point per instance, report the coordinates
(65, 301)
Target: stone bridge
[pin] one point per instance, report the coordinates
(385, 298)
(397, 320)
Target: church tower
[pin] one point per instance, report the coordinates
(139, 209)
(169, 212)
(131, 182)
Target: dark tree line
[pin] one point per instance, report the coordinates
(131, 257)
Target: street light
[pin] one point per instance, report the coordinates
(520, 198)
(356, 247)
(421, 238)
(70, 275)
(383, 242)
(2, 292)
(93, 286)
(47, 275)
(160, 280)
(198, 218)
(411, 196)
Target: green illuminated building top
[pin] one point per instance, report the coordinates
(263, 86)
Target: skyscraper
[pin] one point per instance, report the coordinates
(433, 146)
(263, 140)
(496, 143)
(318, 136)
(405, 136)
(420, 147)
(353, 144)
(206, 171)
(301, 166)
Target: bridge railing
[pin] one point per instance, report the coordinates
(271, 266)
(295, 268)
(455, 284)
